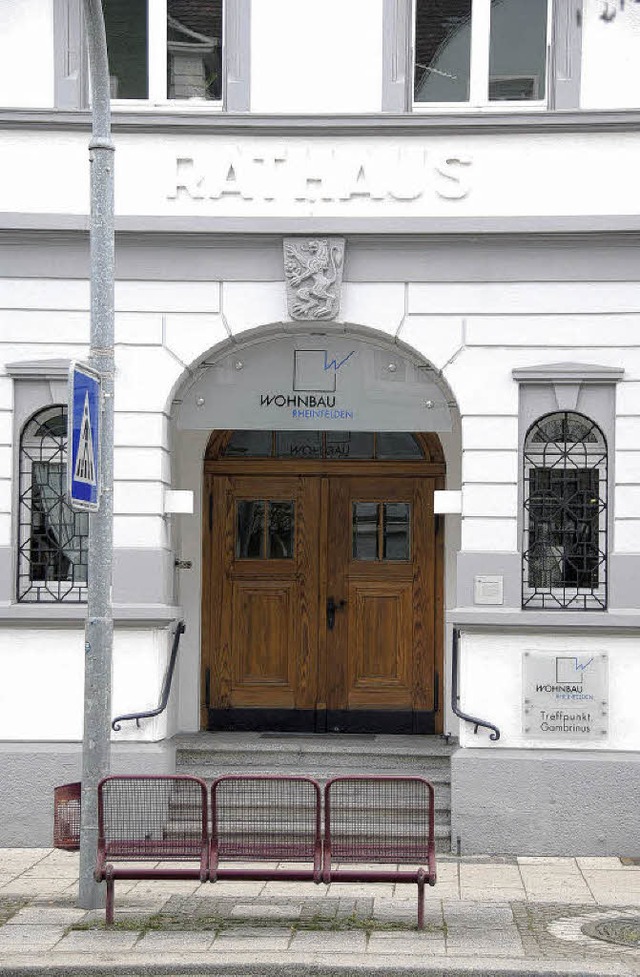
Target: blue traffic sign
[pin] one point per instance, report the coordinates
(83, 471)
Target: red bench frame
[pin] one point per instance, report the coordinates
(255, 837)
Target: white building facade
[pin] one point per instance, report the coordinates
(365, 253)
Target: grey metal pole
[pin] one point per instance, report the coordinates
(96, 745)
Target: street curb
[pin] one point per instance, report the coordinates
(386, 965)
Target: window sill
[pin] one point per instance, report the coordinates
(511, 618)
(52, 614)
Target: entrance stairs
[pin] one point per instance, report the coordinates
(324, 755)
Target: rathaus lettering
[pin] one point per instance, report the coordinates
(321, 176)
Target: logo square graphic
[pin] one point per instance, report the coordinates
(310, 372)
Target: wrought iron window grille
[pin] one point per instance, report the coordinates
(52, 538)
(564, 563)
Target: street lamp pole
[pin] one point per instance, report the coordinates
(96, 743)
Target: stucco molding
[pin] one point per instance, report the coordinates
(381, 225)
(372, 124)
(54, 369)
(568, 373)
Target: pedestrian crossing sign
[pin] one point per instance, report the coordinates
(83, 438)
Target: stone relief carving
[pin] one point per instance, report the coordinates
(313, 275)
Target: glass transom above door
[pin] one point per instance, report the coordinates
(329, 445)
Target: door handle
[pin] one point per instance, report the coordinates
(332, 607)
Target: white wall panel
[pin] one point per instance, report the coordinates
(484, 433)
(145, 377)
(489, 535)
(247, 305)
(378, 305)
(138, 498)
(610, 77)
(626, 502)
(139, 662)
(554, 330)
(491, 684)
(140, 429)
(627, 466)
(490, 466)
(51, 666)
(5, 529)
(627, 434)
(5, 494)
(26, 53)
(489, 500)
(143, 531)
(6, 460)
(142, 464)
(628, 397)
(131, 296)
(482, 383)
(138, 328)
(508, 298)
(38, 326)
(6, 427)
(324, 58)
(190, 336)
(437, 338)
(626, 535)
(44, 293)
(6, 388)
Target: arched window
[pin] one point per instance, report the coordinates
(52, 551)
(565, 514)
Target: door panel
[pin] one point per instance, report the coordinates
(322, 600)
(381, 661)
(264, 633)
(380, 653)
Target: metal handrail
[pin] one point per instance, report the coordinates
(166, 686)
(455, 695)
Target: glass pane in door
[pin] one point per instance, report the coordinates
(250, 529)
(365, 530)
(281, 523)
(396, 531)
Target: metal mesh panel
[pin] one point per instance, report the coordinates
(66, 817)
(377, 819)
(147, 817)
(272, 818)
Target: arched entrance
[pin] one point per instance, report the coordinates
(322, 581)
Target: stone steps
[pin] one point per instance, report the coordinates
(321, 756)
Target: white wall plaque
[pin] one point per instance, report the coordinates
(565, 696)
(488, 589)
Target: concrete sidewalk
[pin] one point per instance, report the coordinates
(488, 915)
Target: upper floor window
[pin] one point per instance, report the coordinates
(481, 52)
(53, 539)
(565, 517)
(165, 49)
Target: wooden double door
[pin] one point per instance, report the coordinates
(322, 602)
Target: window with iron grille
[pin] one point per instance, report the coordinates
(565, 514)
(53, 539)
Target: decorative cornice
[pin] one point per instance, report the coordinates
(39, 369)
(569, 225)
(568, 373)
(449, 124)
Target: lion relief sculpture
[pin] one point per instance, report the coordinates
(313, 275)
